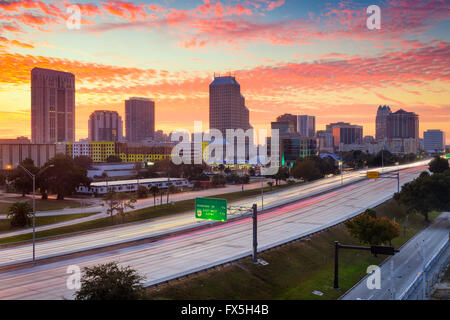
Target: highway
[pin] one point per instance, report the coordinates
(176, 256)
(161, 226)
(407, 264)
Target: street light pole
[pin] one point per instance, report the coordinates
(33, 177)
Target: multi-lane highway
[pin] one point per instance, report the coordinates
(161, 226)
(176, 256)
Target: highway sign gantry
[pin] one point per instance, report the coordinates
(211, 209)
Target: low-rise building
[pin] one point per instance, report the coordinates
(11, 154)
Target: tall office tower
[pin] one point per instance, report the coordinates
(139, 119)
(287, 117)
(227, 108)
(105, 126)
(345, 133)
(381, 122)
(434, 141)
(52, 106)
(285, 128)
(306, 126)
(402, 124)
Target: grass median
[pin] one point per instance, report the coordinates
(41, 205)
(295, 270)
(5, 224)
(139, 215)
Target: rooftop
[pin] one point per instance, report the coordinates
(224, 80)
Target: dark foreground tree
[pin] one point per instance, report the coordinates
(20, 213)
(438, 165)
(426, 193)
(110, 282)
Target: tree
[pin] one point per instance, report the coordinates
(426, 193)
(439, 165)
(84, 162)
(20, 213)
(63, 176)
(218, 180)
(110, 282)
(154, 190)
(307, 170)
(118, 203)
(373, 231)
(2, 179)
(21, 180)
(142, 192)
(197, 185)
(282, 174)
(113, 159)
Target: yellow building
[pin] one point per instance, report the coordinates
(98, 151)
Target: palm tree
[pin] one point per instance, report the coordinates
(20, 214)
(154, 190)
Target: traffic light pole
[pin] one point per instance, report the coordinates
(255, 233)
(372, 249)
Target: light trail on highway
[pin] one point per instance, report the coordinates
(161, 226)
(194, 251)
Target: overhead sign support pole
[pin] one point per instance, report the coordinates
(255, 233)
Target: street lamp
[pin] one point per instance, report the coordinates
(33, 177)
(341, 164)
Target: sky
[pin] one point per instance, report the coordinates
(290, 56)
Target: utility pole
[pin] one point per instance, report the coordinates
(392, 280)
(255, 233)
(262, 194)
(33, 177)
(168, 182)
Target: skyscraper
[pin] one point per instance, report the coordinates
(402, 124)
(381, 122)
(306, 126)
(139, 119)
(227, 108)
(52, 106)
(105, 126)
(287, 117)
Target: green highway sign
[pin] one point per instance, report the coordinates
(211, 209)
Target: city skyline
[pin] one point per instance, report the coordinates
(289, 57)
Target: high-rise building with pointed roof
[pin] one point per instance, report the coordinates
(381, 122)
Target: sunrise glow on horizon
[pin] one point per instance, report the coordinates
(299, 57)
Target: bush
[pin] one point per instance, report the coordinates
(110, 282)
(142, 192)
(20, 213)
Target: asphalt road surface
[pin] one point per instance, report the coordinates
(161, 226)
(194, 251)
